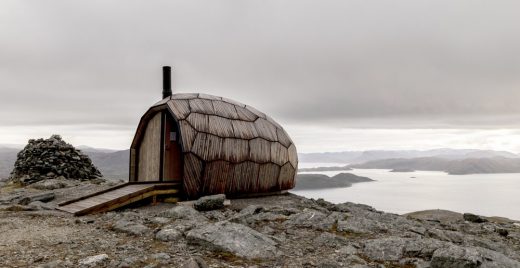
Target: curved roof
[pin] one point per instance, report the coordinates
(229, 137)
(227, 121)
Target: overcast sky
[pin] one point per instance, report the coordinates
(340, 75)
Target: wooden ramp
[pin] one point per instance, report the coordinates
(118, 196)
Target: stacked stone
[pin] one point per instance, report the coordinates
(52, 158)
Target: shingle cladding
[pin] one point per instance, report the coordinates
(230, 147)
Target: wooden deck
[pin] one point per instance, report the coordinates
(118, 196)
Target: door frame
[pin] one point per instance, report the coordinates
(166, 115)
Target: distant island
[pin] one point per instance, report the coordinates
(320, 181)
(402, 170)
(335, 168)
(450, 166)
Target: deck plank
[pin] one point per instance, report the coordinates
(108, 200)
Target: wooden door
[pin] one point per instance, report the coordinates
(172, 167)
(148, 167)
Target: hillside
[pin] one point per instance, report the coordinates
(114, 164)
(319, 181)
(358, 157)
(272, 231)
(454, 166)
(7, 159)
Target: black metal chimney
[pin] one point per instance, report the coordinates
(167, 81)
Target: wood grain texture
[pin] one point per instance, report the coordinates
(235, 150)
(232, 148)
(265, 129)
(150, 150)
(268, 177)
(243, 178)
(203, 106)
(260, 150)
(133, 160)
(272, 121)
(208, 147)
(225, 109)
(287, 177)
(209, 97)
(255, 111)
(179, 108)
(215, 175)
(199, 121)
(293, 156)
(117, 197)
(245, 114)
(244, 130)
(188, 135)
(161, 102)
(220, 126)
(279, 154)
(283, 137)
(234, 102)
(184, 96)
(192, 183)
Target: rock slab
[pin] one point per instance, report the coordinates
(235, 238)
(210, 202)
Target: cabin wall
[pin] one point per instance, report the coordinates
(226, 147)
(149, 157)
(132, 170)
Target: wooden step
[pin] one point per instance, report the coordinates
(118, 196)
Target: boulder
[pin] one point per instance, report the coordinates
(457, 256)
(161, 257)
(130, 227)
(210, 202)
(474, 218)
(502, 231)
(235, 238)
(169, 233)
(94, 261)
(395, 248)
(16, 207)
(361, 225)
(435, 215)
(52, 184)
(326, 239)
(245, 213)
(39, 205)
(184, 212)
(194, 262)
(314, 219)
(42, 197)
(129, 262)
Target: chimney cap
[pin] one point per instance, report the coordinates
(167, 82)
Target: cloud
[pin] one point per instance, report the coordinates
(376, 64)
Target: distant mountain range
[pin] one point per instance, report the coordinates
(114, 164)
(357, 157)
(451, 166)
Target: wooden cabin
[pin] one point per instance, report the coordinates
(211, 145)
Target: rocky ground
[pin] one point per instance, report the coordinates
(276, 231)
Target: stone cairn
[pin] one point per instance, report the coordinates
(51, 158)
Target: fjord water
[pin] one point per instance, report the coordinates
(403, 192)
